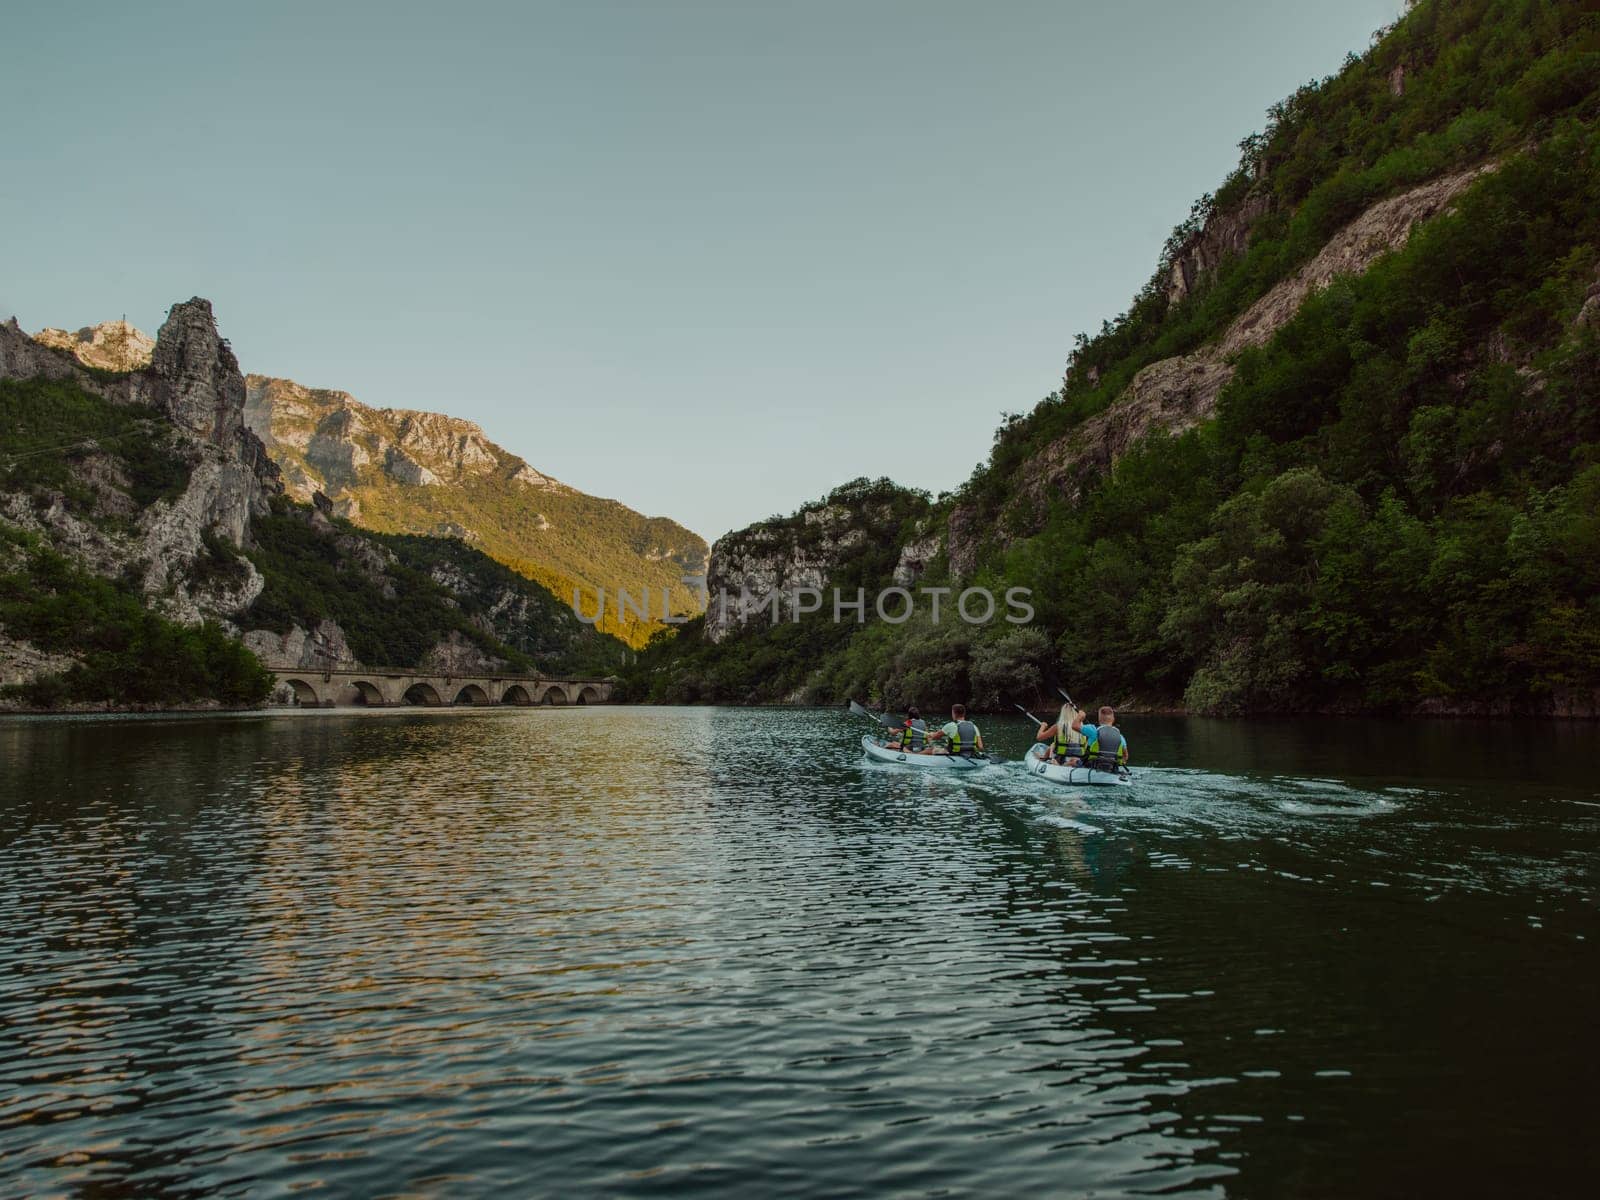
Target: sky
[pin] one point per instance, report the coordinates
(710, 259)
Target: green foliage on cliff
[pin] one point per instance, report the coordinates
(385, 592)
(1480, 78)
(1396, 503)
(50, 428)
(128, 654)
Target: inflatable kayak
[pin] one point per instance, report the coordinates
(1055, 773)
(878, 752)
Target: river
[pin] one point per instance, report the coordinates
(640, 952)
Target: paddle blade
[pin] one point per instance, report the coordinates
(862, 712)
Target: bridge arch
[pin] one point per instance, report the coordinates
(359, 692)
(422, 693)
(472, 694)
(553, 695)
(305, 695)
(516, 694)
(588, 696)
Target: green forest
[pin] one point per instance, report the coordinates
(129, 655)
(1395, 504)
(392, 612)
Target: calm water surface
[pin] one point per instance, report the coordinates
(636, 952)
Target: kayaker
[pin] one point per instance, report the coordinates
(960, 736)
(1066, 739)
(913, 731)
(1107, 749)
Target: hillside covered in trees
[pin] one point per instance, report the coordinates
(1341, 453)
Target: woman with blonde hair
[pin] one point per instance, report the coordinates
(1066, 738)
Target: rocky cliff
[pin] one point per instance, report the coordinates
(402, 471)
(1175, 394)
(854, 530)
(193, 394)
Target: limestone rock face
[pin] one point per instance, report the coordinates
(1589, 314)
(786, 556)
(21, 357)
(1225, 234)
(1382, 228)
(22, 662)
(1176, 394)
(323, 648)
(455, 655)
(915, 556)
(110, 345)
(197, 377)
(194, 380)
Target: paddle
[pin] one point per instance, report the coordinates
(862, 712)
(1029, 715)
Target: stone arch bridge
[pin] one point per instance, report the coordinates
(389, 689)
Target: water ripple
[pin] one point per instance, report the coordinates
(510, 952)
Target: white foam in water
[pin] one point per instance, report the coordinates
(1056, 821)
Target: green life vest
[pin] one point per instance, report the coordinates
(1069, 743)
(965, 738)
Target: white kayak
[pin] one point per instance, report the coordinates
(878, 752)
(1055, 773)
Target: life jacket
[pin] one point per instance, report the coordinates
(965, 740)
(911, 734)
(1070, 743)
(1108, 749)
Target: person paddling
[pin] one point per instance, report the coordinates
(959, 735)
(913, 731)
(1066, 740)
(1107, 749)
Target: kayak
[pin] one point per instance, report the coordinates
(1056, 773)
(878, 752)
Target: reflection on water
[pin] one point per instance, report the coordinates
(641, 951)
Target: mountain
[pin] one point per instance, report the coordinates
(109, 346)
(1341, 453)
(148, 555)
(399, 471)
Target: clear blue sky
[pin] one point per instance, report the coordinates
(710, 259)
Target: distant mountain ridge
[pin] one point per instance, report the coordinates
(405, 471)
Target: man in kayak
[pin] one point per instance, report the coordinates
(1107, 749)
(913, 731)
(1065, 738)
(959, 735)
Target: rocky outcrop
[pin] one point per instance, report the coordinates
(1176, 394)
(915, 556)
(193, 380)
(196, 378)
(323, 648)
(1224, 235)
(109, 346)
(22, 662)
(785, 557)
(1378, 230)
(1589, 312)
(455, 655)
(21, 357)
